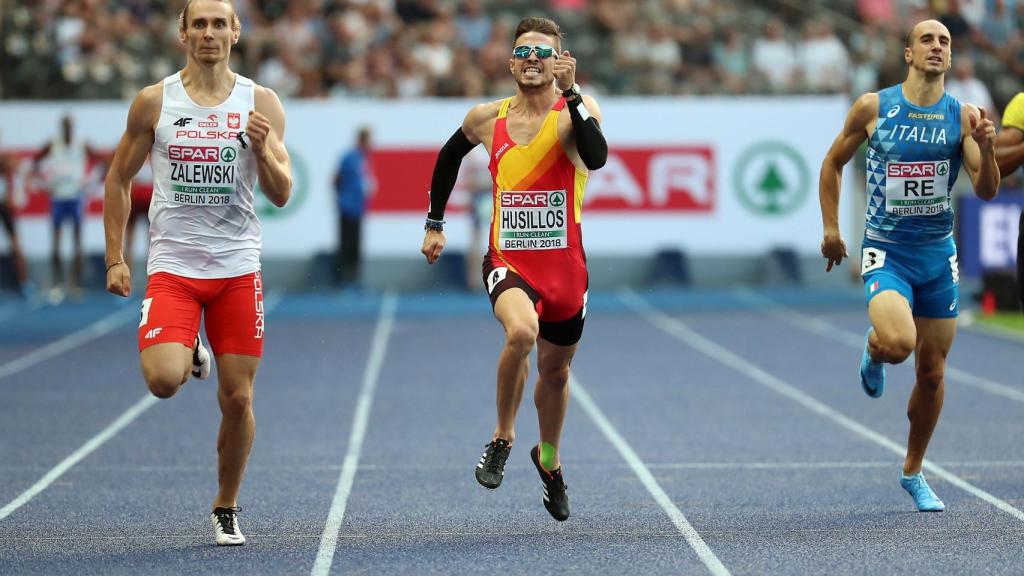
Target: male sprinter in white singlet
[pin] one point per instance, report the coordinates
(213, 135)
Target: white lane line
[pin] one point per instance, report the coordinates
(839, 334)
(329, 538)
(127, 417)
(704, 552)
(91, 332)
(95, 442)
(683, 333)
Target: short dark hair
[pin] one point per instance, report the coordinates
(236, 24)
(537, 24)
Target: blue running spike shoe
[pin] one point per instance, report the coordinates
(872, 374)
(918, 488)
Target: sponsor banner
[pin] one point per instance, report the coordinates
(710, 176)
(644, 178)
(988, 232)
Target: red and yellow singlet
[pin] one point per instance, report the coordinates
(535, 227)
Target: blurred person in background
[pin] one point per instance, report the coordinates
(918, 136)
(212, 135)
(1010, 155)
(353, 184)
(66, 159)
(138, 213)
(8, 184)
(481, 205)
(541, 143)
(966, 87)
(775, 58)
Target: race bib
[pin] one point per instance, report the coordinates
(871, 259)
(202, 175)
(917, 188)
(533, 220)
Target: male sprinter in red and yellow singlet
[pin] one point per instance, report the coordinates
(541, 143)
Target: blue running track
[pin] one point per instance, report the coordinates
(709, 433)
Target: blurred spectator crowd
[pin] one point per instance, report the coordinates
(60, 49)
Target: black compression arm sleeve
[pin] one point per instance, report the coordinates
(446, 171)
(590, 142)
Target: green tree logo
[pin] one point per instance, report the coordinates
(300, 189)
(228, 154)
(771, 178)
(556, 198)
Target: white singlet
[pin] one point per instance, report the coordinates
(66, 174)
(202, 221)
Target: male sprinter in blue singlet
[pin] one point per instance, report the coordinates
(918, 136)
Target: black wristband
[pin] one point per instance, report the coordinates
(435, 225)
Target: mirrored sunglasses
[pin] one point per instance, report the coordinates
(541, 50)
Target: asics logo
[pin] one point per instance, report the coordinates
(953, 305)
(893, 111)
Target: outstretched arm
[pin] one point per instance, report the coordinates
(265, 129)
(586, 129)
(131, 152)
(979, 155)
(446, 172)
(854, 133)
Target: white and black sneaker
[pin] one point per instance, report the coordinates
(200, 360)
(491, 467)
(225, 526)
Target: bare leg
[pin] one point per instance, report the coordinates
(894, 335)
(55, 263)
(237, 374)
(166, 367)
(551, 396)
(935, 338)
(515, 311)
(76, 266)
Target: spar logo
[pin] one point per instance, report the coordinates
(654, 179)
(916, 169)
(642, 178)
(201, 153)
(526, 199)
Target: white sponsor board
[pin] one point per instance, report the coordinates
(708, 175)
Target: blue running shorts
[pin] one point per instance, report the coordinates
(926, 275)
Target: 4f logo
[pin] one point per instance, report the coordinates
(182, 122)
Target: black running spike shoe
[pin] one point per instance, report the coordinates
(491, 467)
(555, 498)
